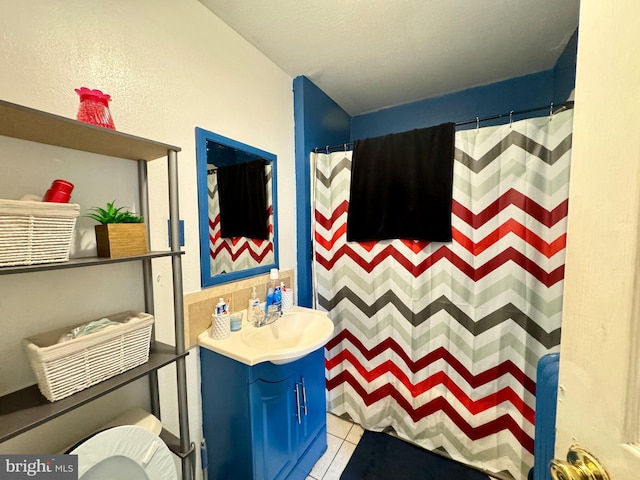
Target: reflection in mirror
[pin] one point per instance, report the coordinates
(238, 171)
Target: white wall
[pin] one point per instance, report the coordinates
(169, 65)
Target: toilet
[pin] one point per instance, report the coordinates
(128, 447)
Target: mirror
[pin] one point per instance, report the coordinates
(225, 259)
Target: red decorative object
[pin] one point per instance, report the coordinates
(94, 108)
(60, 192)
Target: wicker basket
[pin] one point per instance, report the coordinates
(63, 369)
(35, 232)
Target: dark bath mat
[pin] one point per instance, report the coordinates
(380, 456)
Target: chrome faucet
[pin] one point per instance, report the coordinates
(262, 318)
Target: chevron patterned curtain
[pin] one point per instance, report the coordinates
(233, 254)
(440, 341)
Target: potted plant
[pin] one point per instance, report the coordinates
(120, 233)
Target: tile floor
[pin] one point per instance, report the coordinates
(342, 438)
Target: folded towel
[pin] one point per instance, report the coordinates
(242, 191)
(401, 186)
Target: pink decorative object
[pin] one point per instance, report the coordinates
(94, 108)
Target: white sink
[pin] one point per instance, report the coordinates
(298, 332)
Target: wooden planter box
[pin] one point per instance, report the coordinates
(117, 240)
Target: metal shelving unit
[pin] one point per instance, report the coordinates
(25, 409)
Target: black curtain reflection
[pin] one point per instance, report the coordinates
(242, 192)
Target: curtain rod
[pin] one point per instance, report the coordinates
(566, 106)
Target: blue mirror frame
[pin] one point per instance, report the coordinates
(206, 278)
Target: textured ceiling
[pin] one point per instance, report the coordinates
(370, 54)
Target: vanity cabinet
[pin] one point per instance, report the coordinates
(266, 421)
(25, 409)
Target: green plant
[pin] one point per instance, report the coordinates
(113, 215)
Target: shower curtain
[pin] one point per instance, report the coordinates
(440, 341)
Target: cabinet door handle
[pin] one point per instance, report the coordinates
(304, 396)
(298, 403)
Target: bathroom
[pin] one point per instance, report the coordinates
(164, 67)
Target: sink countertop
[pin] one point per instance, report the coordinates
(297, 333)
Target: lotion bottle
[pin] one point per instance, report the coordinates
(274, 277)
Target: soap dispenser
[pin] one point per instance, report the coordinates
(254, 305)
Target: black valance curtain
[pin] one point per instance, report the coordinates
(401, 186)
(242, 190)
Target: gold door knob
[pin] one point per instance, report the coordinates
(580, 465)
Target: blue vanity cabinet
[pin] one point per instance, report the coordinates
(263, 422)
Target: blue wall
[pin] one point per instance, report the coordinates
(564, 72)
(519, 93)
(318, 121)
